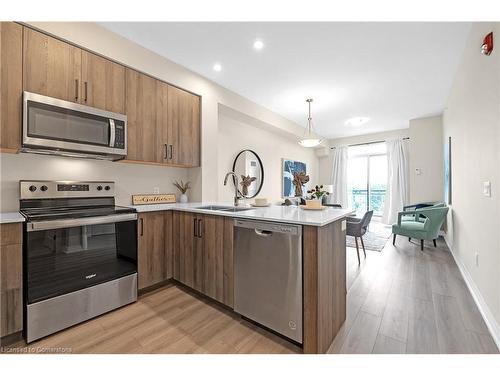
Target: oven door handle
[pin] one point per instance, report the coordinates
(67, 223)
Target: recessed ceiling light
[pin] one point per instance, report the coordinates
(357, 121)
(217, 67)
(258, 44)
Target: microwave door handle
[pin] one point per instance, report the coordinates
(112, 132)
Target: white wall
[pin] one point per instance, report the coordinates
(472, 120)
(426, 153)
(102, 41)
(130, 178)
(237, 133)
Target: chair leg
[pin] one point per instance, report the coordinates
(394, 239)
(363, 245)
(434, 243)
(409, 239)
(422, 245)
(357, 249)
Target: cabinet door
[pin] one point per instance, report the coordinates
(51, 67)
(141, 116)
(11, 84)
(213, 256)
(103, 83)
(11, 287)
(164, 146)
(169, 245)
(184, 127)
(151, 249)
(184, 225)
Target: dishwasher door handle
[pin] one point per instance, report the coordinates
(263, 233)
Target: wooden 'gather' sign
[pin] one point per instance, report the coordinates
(153, 198)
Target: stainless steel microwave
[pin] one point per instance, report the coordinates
(54, 126)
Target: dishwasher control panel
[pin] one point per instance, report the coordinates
(269, 226)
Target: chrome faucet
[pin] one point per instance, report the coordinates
(237, 194)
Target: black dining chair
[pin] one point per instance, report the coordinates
(357, 227)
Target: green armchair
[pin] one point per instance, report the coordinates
(423, 224)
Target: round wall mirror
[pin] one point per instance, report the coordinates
(248, 167)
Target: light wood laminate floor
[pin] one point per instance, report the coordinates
(400, 300)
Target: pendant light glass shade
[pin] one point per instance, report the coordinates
(309, 140)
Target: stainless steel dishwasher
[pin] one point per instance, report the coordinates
(268, 275)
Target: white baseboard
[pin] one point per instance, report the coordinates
(485, 311)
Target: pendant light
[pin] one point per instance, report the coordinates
(309, 140)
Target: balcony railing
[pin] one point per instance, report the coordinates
(358, 199)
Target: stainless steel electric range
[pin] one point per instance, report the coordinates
(79, 254)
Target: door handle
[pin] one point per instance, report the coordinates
(142, 226)
(263, 233)
(112, 132)
(200, 228)
(166, 151)
(171, 151)
(85, 84)
(76, 89)
(195, 227)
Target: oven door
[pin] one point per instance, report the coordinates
(62, 259)
(57, 124)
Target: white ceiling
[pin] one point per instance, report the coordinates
(390, 72)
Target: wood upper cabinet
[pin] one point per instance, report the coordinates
(203, 254)
(51, 67)
(11, 280)
(151, 249)
(141, 117)
(183, 127)
(11, 84)
(103, 83)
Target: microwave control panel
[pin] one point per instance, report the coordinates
(119, 134)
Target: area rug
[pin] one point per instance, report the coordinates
(374, 240)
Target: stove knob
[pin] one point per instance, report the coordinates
(32, 188)
(99, 188)
(107, 187)
(44, 188)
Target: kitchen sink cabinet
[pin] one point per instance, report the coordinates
(203, 254)
(151, 254)
(11, 85)
(103, 83)
(11, 279)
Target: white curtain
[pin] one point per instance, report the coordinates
(339, 176)
(396, 195)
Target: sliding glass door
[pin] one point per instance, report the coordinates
(367, 178)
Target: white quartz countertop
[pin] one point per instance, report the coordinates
(11, 217)
(281, 214)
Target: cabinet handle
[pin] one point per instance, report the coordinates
(86, 90)
(142, 226)
(200, 228)
(171, 151)
(195, 227)
(76, 89)
(166, 151)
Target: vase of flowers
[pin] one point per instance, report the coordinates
(318, 192)
(183, 188)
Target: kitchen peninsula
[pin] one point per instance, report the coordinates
(195, 256)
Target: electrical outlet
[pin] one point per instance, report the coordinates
(476, 257)
(156, 190)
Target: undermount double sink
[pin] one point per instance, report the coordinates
(224, 208)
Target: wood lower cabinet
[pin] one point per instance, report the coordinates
(11, 85)
(151, 249)
(51, 67)
(103, 83)
(11, 279)
(203, 254)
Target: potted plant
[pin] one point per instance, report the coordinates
(318, 193)
(183, 188)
